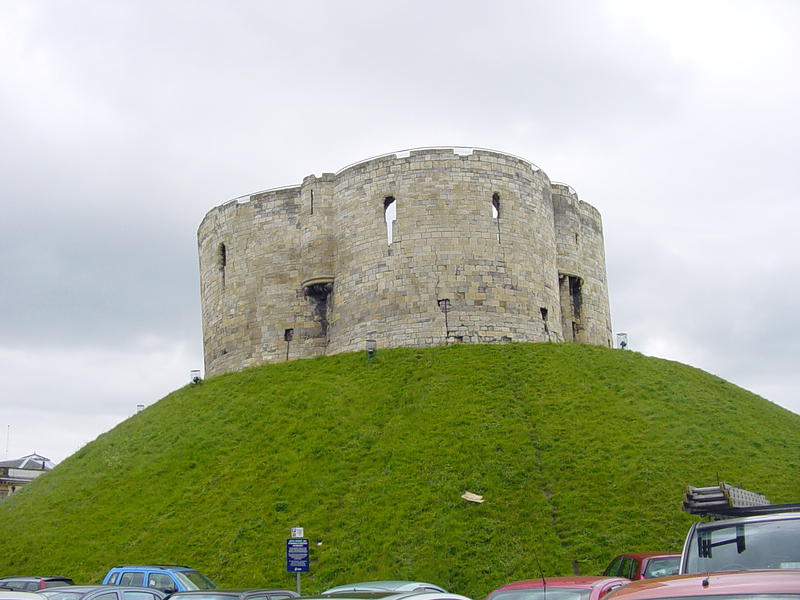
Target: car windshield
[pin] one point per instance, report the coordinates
(553, 593)
(60, 594)
(205, 596)
(195, 580)
(735, 597)
(756, 545)
(661, 567)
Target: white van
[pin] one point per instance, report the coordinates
(764, 541)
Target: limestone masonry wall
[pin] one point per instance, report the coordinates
(484, 248)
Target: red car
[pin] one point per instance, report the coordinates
(643, 565)
(734, 585)
(558, 588)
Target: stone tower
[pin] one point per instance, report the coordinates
(415, 248)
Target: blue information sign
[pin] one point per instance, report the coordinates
(297, 555)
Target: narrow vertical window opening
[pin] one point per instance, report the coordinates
(222, 260)
(312, 202)
(496, 213)
(390, 216)
(543, 310)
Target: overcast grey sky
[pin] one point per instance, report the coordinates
(124, 122)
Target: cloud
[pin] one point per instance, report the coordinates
(125, 122)
(66, 396)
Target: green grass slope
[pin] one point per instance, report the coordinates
(581, 452)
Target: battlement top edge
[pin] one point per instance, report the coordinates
(456, 150)
(566, 186)
(397, 154)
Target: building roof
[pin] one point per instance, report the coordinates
(32, 462)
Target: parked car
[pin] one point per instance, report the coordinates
(770, 541)
(388, 595)
(101, 592)
(251, 594)
(559, 588)
(643, 565)
(7, 594)
(385, 586)
(741, 585)
(167, 578)
(32, 584)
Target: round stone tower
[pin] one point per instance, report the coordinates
(416, 248)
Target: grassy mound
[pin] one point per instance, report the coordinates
(581, 452)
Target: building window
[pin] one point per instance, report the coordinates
(390, 216)
(222, 256)
(222, 260)
(496, 213)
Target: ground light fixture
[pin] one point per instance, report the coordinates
(371, 347)
(444, 306)
(194, 376)
(622, 340)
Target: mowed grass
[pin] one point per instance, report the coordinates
(580, 452)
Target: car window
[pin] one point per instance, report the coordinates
(613, 567)
(747, 545)
(31, 586)
(113, 579)
(17, 585)
(661, 567)
(542, 594)
(133, 578)
(194, 580)
(160, 581)
(628, 568)
(280, 596)
(106, 596)
(136, 595)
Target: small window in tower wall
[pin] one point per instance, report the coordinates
(222, 260)
(496, 213)
(222, 256)
(390, 216)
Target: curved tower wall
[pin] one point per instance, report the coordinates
(308, 270)
(581, 263)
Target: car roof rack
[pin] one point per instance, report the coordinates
(727, 501)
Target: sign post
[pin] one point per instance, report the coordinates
(297, 554)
